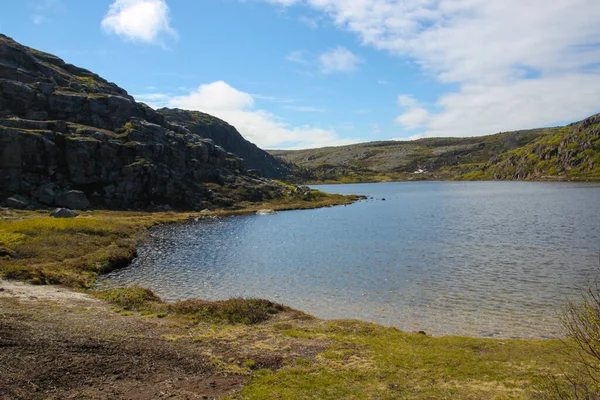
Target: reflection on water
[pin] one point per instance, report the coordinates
(481, 259)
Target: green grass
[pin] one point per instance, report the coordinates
(132, 298)
(70, 251)
(232, 311)
(354, 360)
(367, 361)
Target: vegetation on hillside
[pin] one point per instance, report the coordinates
(571, 152)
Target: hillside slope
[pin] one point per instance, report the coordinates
(571, 153)
(565, 153)
(229, 138)
(68, 137)
(438, 158)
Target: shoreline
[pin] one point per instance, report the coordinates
(74, 251)
(541, 180)
(64, 342)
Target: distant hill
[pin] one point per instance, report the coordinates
(571, 152)
(70, 138)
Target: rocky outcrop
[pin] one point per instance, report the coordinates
(572, 153)
(229, 138)
(70, 138)
(15, 202)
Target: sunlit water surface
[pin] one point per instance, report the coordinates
(495, 259)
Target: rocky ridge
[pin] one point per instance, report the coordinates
(70, 138)
(431, 158)
(225, 135)
(558, 153)
(571, 153)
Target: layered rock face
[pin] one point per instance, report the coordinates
(69, 136)
(228, 137)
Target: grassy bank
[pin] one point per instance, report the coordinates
(310, 358)
(39, 249)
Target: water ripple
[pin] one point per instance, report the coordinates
(495, 259)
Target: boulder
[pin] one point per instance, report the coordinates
(15, 202)
(63, 213)
(73, 199)
(46, 193)
(163, 208)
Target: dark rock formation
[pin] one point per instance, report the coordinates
(73, 199)
(15, 202)
(229, 138)
(70, 138)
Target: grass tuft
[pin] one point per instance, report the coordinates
(234, 311)
(132, 298)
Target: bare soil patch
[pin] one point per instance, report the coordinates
(56, 343)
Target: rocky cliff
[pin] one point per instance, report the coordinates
(69, 137)
(229, 138)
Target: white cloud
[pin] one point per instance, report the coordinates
(215, 96)
(145, 21)
(414, 116)
(406, 100)
(155, 100)
(42, 8)
(298, 56)
(312, 23)
(339, 59)
(238, 108)
(511, 63)
(38, 19)
(523, 103)
(375, 129)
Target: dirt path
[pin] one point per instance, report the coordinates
(56, 343)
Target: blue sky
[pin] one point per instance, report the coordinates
(312, 73)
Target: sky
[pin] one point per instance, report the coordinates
(294, 74)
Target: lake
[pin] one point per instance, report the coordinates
(486, 259)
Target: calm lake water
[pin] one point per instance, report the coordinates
(494, 259)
